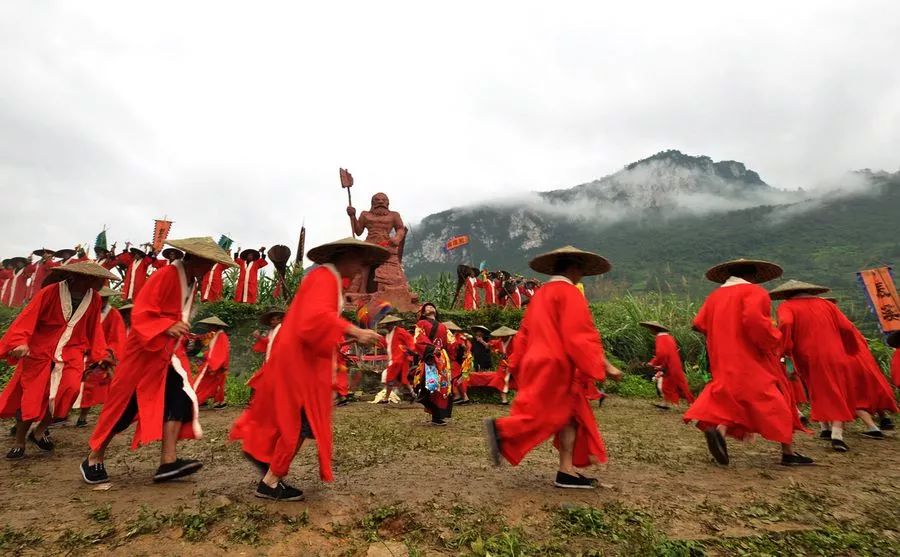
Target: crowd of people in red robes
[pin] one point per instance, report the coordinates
(73, 349)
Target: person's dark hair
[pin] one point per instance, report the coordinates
(742, 270)
(563, 263)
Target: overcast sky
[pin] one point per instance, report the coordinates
(233, 117)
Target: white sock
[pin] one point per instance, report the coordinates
(837, 432)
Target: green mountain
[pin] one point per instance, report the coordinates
(663, 220)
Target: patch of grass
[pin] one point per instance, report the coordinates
(630, 531)
(16, 540)
(249, 523)
(72, 540)
(295, 522)
(374, 520)
(632, 386)
(508, 543)
(146, 522)
(839, 539)
(101, 514)
(195, 526)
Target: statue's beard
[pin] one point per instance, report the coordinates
(380, 209)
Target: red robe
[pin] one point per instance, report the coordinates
(136, 273)
(5, 276)
(210, 382)
(41, 270)
(247, 288)
(674, 384)
(16, 290)
(470, 302)
(59, 336)
(165, 300)
(211, 286)
(515, 298)
(819, 340)
(749, 392)
(95, 386)
(342, 374)
(490, 291)
(503, 380)
(871, 390)
(399, 340)
(895, 368)
(264, 343)
(297, 379)
(558, 352)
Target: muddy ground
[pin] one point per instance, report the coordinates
(404, 487)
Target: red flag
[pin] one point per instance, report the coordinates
(160, 233)
(883, 298)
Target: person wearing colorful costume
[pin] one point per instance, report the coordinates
(249, 262)
(671, 382)
(137, 265)
(210, 380)
(292, 398)
(152, 385)
(502, 345)
(749, 392)
(95, 384)
(50, 341)
(15, 291)
(461, 364)
(558, 353)
(433, 374)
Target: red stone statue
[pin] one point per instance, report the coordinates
(386, 281)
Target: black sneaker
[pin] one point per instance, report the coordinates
(81, 423)
(95, 474)
(825, 435)
(567, 481)
(886, 424)
(343, 401)
(839, 445)
(493, 442)
(16, 453)
(462, 401)
(281, 492)
(796, 459)
(219, 406)
(716, 445)
(178, 469)
(262, 467)
(662, 406)
(44, 443)
(874, 434)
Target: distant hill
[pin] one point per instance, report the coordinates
(663, 220)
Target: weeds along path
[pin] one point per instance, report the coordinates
(404, 487)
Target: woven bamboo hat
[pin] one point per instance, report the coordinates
(481, 328)
(266, 317)
(42, 252)
(212, 320)
(172, 253)
(205, 248)
(18, 260)
(503, 332)
(893, 339)
(250, 254)
(64, 253)
(793, 287)
(326, 253)
(451, 326)
(764, 270)
(136, 251)
(390, 319)
(592, 263)
(88, 268)
(654, 326)
(107, 292)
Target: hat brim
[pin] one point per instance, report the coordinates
(266, 318)
(20, 260)
(371, 254)
(107, 292)
(811, 290)
(481, 328)
(654, 326)
(175, 253)
(86, 268)
(212, 322)
(765, 271)
(591, 263)
(203, 248)
(390, 319)
(42, 252)
(250, 255)
(137, 251)
(64, 253)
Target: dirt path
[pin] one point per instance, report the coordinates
(431, 491)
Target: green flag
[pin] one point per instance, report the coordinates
(100, 242)
(225, 242)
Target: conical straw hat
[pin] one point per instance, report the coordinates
(173, 253)
(654, 325)
(593, 264)
(452, 327)
(250, 254)
(64, 253)
(326, 253)
(266, 317)
(792, 287)
(481, 328)
(19, 260)
(85, 268)
(106, 292)
(765, 270)
(204, 248)
(390, 319)
(43, 251)
(504, 332)
(212, 320)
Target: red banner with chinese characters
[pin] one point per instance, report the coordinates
(883, 299)
(457, 242)
(160, 233)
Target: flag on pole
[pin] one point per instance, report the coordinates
(160, 233)
(100, 242)
(878, 284)
(225, 242)
(301, 245)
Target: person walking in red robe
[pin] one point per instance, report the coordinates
(211, 286)
(249, 261)
(151, 385)
(271, 318)
(558, 353)
(137, 265)
(95, 384)
(432, 383)
(671, 382)
(471, 284)
(399, 346)
(210, 381)
(749, 392)
(16, 290)
(487, 283)
(50, 341)
(502, 344)
(292, 398)
(40, 269)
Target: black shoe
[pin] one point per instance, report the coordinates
(839, 445)
(178, 469)
(262, 467)
(281, 492)
(493, 442)
(886, 424)
(343, 401)
(95, 474)
(81, 423)
(463, 401)
(16, 453)
(716, 445)
(804, 421)
(825, 435)
(874, 434)
(44, 443)
(594, 481)
(796, 459)
(567, 481)
(219, 406)
(662, 406)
